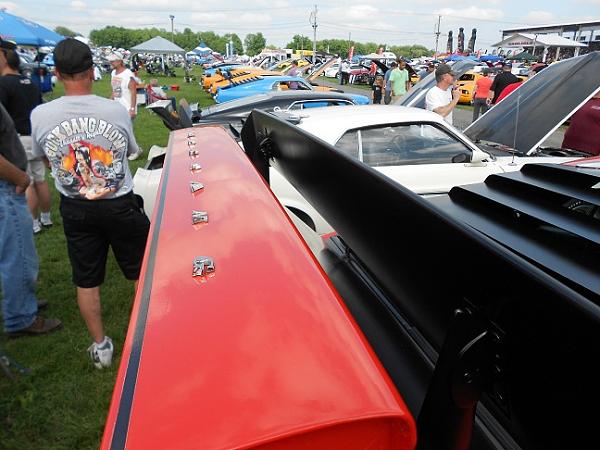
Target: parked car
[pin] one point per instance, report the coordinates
(414, 147)
(466, 85)
(267, 84)
(292, 100)
(333, 71)
(467, 322)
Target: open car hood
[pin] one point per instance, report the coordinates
(526, 117)
(416, 96)
(320, 69)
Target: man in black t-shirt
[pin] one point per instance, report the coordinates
(20, 96)
(18, 258)
(502, 80)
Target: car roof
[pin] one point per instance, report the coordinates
(330, 123)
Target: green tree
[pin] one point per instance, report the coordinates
(254, 43)
(66, 32)
(237, 42)
(300, 42)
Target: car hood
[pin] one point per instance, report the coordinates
(416, 96)
(526, 117)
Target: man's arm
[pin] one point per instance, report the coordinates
(447, 109)
(133, 89)
(11, 173)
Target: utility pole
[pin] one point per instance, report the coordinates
(172, 31)
(437, 35)
(313, 23)
(349, 38)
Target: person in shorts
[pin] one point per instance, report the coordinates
(86, 140)
(19, 96)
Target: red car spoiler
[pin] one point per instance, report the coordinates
(257, 349)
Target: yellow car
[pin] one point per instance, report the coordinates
(466, 85)
(218, 76)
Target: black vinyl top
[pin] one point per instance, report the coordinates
(528, 115)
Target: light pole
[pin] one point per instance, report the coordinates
(313, 23)
(172, 31)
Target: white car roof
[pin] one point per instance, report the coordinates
(330, 124)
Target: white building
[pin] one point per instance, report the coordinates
(586, 33)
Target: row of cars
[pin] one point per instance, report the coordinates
(229, 82)
(466, 320)
(410, 145)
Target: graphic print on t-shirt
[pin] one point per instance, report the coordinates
(87, 156)
(91, 166)
(116, 87)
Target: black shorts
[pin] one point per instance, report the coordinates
(91, 226)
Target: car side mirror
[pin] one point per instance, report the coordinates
(460, 158)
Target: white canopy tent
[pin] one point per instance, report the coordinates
(530, 42)
(158, 45)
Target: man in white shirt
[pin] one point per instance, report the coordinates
(124, 89)
(443, 97)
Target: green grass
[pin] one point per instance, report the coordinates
(63, 403)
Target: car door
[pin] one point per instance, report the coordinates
(424, 157)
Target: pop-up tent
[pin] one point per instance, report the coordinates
(202, 49)
(158, 45)
(25, 32)
(523, 56)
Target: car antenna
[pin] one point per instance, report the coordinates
(512, 163)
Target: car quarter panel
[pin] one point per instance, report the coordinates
(260, 352)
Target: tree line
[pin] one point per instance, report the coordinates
(254, 43)
(341, 46)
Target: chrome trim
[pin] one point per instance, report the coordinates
(199, 217)
(195, 186)
(203, 265)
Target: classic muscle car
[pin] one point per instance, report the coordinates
(267, 84)
(247, 331)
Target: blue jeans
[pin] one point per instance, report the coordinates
(18, 260)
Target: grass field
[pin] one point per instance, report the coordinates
(63, 403)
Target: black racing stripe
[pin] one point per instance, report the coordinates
(119, 438)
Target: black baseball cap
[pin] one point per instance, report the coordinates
(72, 56)
(443, 69)
(7, 45)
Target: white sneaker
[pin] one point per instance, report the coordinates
(101, 354)
(37, 227)
(45, 219)
(136, 155)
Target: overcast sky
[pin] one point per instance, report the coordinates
(382, 21)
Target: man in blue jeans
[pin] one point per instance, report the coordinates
(18, 258)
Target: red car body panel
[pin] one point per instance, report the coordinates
(591, 161)
(260, 353)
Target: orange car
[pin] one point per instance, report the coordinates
(240, 78)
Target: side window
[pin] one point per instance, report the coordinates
(317, 104)
(348, 143)
(280, 86)
(397, 145)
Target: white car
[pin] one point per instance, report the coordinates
(412, 146)
(332, 72)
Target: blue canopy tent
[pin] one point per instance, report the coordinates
(490, 58)
(455, 58)
(25, 32)
(202, 49)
